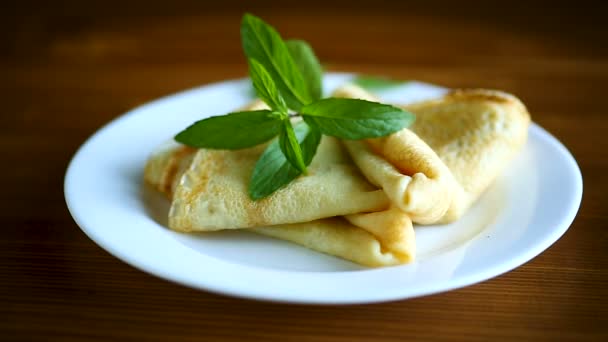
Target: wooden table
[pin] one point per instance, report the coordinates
(68, 68)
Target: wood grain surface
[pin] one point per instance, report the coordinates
(69, 67)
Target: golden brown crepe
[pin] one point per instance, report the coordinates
(410, 172)
(457, 146)
(493, 128)
(166, 165)
(373, 239)
(387, 243)
(212, 193)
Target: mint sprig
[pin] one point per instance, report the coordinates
(287, 76)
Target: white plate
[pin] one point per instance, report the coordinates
(522, 214)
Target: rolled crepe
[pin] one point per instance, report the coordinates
(476, 133)
(410, 172)
(456, 147)
(372, 239)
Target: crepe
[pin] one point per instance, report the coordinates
(166, 165)
(458, 144)
(372, 239)
(379, 239)
(410, 172)
(212, 192)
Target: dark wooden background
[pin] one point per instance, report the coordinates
(68, 67)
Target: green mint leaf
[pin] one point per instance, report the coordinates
(376, 83)
(309, 66)
(265, 87)
(264, 44)
(232, 131)
(355, 119)
(290, 146)
(272, 171)
(309, 138)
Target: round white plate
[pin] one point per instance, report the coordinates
(526, 210)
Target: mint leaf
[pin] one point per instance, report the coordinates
(309, 138)
(265, 86)
(309, 66)
(376, 83)
(264, 44)
(290, 147)
(232, 131)
(272, 171)
(355, 119)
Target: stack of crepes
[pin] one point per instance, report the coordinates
(360, 198)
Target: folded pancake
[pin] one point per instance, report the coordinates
(456, 147)
(337, 236)
(410, 172)
(212, 192)
(166, 165)
(476, 133)
(372, 239)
